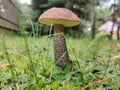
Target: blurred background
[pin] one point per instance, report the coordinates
(16, 15)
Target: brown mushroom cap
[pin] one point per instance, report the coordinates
(61, 16)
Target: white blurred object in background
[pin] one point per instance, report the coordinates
(25, 1)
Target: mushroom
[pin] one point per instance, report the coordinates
(60, 18)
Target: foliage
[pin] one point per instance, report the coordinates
(96, 64)
(81, 8)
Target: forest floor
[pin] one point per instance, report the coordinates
(96, 63)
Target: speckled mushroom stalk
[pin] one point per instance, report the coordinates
(60, 48)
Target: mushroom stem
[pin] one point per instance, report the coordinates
(60, 48)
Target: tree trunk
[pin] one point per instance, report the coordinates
(60, 48)
(94, 20)
(114, 19)
(111, 32)
(118, 36)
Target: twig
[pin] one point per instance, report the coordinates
(4, 65)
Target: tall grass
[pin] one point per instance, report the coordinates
(10, 62)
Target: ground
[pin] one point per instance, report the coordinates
(96, 64)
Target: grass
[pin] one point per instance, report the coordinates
(96, 63)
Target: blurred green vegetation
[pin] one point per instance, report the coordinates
(83, 9)
(32, 13)
(4, 31)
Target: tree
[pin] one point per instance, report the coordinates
(94, 19)
(80, 7)
(118, 13)
(36, 8)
